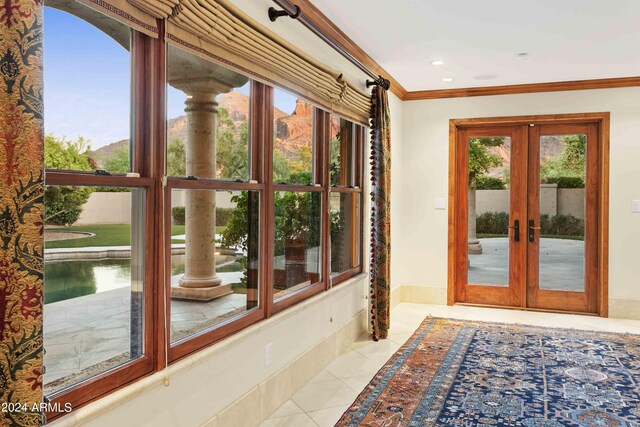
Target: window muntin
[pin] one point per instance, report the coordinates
(214, 270)
(209, 104)
(94, 284)
(87, 73)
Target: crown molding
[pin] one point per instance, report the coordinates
(523, 88)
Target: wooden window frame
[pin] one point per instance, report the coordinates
(149, 136)
(106, 382)
(358, 183)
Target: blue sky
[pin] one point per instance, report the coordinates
(87, 83)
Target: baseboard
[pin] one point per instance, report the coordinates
(423, 294)
(279, 387)
(621, 308)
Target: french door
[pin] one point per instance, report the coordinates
(526, 229)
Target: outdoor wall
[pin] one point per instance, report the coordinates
(115, 208)
(420, 259)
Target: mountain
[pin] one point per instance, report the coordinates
(550, 147)
(291, 131)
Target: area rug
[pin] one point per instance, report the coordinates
(462, 373)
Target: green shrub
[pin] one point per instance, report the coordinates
(561, 225)
(223, 215)
(566, 181)
(489, 183)
(178, 215)
(492, 223)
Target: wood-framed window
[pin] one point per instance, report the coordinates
(218, 202)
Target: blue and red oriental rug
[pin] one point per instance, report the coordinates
(462, 373)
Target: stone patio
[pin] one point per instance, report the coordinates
(561, 264)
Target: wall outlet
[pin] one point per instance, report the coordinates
(268, 354)
(441, 203)
(635, 206)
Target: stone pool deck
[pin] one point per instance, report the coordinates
(83, 332)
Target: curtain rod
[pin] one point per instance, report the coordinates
(294, 12)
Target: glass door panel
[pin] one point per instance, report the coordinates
(562, 212)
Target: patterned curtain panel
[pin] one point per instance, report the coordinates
(380, 268)
(21, 212)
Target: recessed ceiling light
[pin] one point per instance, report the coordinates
(485, 77)
(448, 79)
(437, 62)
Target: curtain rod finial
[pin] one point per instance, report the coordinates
(380, 81)
(274, 14)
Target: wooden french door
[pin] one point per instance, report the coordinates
(527, 225)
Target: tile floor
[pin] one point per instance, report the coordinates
(324, 399)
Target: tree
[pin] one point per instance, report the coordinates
(481, 161)
(118, 162)
(176, 158)
(63, 205)
(571, 161)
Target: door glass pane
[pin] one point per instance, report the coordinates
(562, 212)
(488, 248)
(214, 258)
(93, 282)
(297, 241)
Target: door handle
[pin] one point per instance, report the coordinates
(532, 230)
(516, 230)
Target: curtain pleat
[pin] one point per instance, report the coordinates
(380, 256)
(21, 213)
(219, 31)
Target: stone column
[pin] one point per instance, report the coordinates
(200, 280)
(475, 248)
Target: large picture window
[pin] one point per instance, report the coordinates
(179, 192)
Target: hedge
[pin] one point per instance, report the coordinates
(566, 181)
(558, 225)
(489, 183)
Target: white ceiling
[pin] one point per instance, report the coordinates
(565, 39)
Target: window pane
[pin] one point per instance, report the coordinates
(342, 152)
(87, 73)
(297, 241)
(293, 139)
(345, 231)
(208, 119)
(94, 268)
(214, 258)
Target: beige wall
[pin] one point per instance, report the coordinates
(421, 231)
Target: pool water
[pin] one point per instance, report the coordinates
(72, 279)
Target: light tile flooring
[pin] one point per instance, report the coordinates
(324, 399)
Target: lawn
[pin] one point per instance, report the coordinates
(107, 235)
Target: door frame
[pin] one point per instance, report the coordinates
(602, 119)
